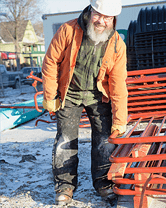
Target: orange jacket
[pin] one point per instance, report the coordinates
(60, 60)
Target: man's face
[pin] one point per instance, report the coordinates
(101, 22)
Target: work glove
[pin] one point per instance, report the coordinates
(52, 105)
(120, 128)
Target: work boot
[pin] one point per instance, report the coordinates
(63, 197)
(107, 193)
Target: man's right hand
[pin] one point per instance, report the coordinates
(118, 130)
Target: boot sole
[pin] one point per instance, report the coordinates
(63, 203)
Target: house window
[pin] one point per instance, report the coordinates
(55, 27)
(43, 48)
(25, 48)
(38, 48)
(34, 48)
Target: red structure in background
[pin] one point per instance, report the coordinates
(9, 60)
(8, 55)
(139, 161)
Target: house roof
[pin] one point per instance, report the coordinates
(5, 26)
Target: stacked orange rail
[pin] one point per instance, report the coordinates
(140, 158)
(146, 91)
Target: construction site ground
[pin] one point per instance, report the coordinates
(26, 172)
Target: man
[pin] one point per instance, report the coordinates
(85, 67)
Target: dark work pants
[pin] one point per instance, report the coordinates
(65, 149)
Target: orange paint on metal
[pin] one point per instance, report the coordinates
(146, 155)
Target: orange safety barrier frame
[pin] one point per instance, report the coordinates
(141, 154)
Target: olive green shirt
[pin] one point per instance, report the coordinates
(83, 86)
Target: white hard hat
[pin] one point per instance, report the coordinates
(107, 7)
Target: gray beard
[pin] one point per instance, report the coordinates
(97, 37)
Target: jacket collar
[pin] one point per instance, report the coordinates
(84, 17)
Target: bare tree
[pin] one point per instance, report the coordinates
(38, 27)
(19, 10)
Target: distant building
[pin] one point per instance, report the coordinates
(32, 47)
(51, 22)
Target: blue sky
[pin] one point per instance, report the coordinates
(56, 6)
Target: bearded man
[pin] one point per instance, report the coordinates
(85, 68)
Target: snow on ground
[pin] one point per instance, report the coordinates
(25, 161)
(25, 157)
(29, 183)
(12, 96)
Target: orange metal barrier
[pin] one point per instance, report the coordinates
(140, 157)
(146, 91)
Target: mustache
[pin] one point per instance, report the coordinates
(98, 24)
(95, 36)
